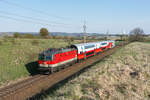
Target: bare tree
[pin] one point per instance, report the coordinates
(136, 34)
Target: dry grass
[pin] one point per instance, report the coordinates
(123, 76)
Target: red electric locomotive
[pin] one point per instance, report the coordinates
(53, 59)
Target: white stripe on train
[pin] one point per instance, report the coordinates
(58, 64)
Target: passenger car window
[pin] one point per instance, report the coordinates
(103, 43)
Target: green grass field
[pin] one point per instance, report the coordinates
(18, 56)
(148, 42)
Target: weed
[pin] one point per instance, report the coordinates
(91, 84)
(1, 42)
(86, 98)
(101, 73)
(121, 88)
(148, 95)
(13, 41)
(5, 40)
(32, 57)
(76, 97)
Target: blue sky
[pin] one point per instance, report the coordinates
(100, 15)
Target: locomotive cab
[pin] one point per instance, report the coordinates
(45, 58)
(56, 58)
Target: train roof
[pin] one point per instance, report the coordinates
(81, 44)
(91, 43)
(51, 51)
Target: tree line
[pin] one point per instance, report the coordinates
(42, 34)
(137, 34)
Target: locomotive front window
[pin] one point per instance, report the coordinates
(103, 43)
(41, 57)
(47, 58)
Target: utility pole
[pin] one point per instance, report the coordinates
(84, 32)
(122, 36)
(107, 34)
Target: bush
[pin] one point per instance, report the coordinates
(1, 42)
(121, 88)
(35, 42)
(5, 40)
(86, 98)
(44, 32)
(13, 41)
(28, 35)
(31, 57)
(93, 84)
(17, 35)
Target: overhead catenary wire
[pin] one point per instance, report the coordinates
(23, 20)
(32, 9)
(30, 21)
(32, 18)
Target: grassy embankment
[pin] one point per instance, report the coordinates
(18, 56)
(125, 75)
(148, 42)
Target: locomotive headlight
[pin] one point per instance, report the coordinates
(45, 63)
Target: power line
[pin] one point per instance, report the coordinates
(27, 21)
(31, 9)
(23, 20)
(32, 18)
(42, 21)
(30, 21)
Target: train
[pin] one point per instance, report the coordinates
(54, 59)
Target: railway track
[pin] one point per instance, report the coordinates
(29, 87)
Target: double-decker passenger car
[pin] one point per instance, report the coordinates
(85, 50)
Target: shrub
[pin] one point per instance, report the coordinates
(31, 57)
(28, 35)
(17, 35)
(13, 41)
(35, 42)
(93, 84)
(121, 88)
(1, 42)
(5, 40)
(44, 32)
(86, 98)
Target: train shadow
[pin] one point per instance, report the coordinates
(32, 68)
